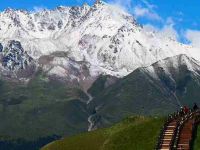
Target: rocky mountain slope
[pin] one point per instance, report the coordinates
(161, 88)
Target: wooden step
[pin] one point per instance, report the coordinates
(184, 136)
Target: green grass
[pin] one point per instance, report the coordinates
(134, 133)
(41, 108)
(141, 94)
(134, 94)
(197, 140)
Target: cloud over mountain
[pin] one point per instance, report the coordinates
(194, 37)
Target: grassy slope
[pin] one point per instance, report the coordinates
(197, 140)
(41, 108)
(98, 86)
(133, 95)
(140, 94)
(136, 133)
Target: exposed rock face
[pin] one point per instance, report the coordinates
(14, 57)
(1, 47)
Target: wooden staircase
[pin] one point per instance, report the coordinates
(169, 133)
(178, 131)
(186, 134)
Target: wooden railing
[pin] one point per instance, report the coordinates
(180, 135)
(169, 119)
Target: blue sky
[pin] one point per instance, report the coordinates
(178, 17)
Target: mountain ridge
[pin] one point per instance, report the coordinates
(159, 89)
(112, 44)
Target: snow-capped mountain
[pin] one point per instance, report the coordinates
(160, 88)
(103, 38)
(173, 65)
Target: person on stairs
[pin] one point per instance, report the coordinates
(181, 111)
(186, 109)
(195, 107)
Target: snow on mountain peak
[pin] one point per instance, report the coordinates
(106, 38)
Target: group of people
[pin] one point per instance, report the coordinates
(186, 109)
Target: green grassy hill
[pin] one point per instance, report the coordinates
(197, 140)
(41, 108)
(141, 93)
(138, 133)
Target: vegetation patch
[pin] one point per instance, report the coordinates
(136, 133)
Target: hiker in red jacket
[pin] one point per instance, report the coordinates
(186, 109)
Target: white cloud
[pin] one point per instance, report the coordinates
(194, 37)
(123, 4)
(148, 5)
(166, 31)
(145, 10)
(38, 8)
(140, 11)
(170, 32)
(150, 28)
(170, 21)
